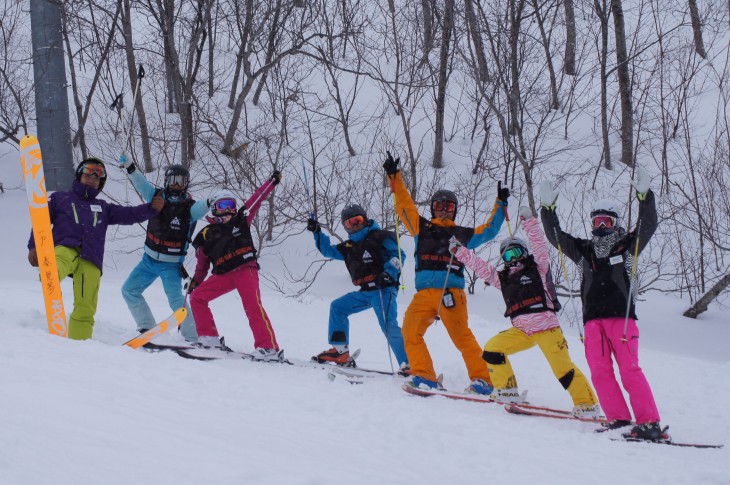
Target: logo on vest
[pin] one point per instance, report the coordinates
(367, 257)
(236, 231)
(175, 224)
(525, 280)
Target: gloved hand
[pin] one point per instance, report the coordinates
(313, 225)
(454, 245)
(158, 203)
(391, 165)
(641, 183)
(384, 279)
(548, 194)
(126, 163)
(192, 285)
(525, 212)
(33, 257)
(276, 177)
(502, 193)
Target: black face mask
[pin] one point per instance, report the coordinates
(602, 231)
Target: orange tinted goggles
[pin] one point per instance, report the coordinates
(355, 221)
(93, 170)
(444, 205)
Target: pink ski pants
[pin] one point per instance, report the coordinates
(245, 280)
(604, 338)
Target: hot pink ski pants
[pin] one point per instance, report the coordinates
(604, 338)
(244, 279)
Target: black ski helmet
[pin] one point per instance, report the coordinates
(445, 195)
(90, 161)
(352, 210)
(176, 171)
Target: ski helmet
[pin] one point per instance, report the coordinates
(350, 211)
(513, 249)
(604, 207)
(91, 161)
(443, 195)
(176, 175)
(219, 196)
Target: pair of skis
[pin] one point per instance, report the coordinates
(525, 409)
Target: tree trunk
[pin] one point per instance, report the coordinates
(624, 84)
(602, 12)
(271, 46)
(427, 8)
(570, 38)
(701, 305)
(694, 14)
(144, 132)
(476, 38)
(555, 101)
(448, 26)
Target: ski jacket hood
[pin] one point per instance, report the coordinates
(360, 235)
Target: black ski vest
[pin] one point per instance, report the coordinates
(432, 252)
(608, 290)
(365, 259)
(524, 292)
(227, 245)
(169, 231)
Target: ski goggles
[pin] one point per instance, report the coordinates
(93, 170)
(224, 205)
(444, 206)
(179, 180)
(513, 253)
(603, 220)
(353, 222)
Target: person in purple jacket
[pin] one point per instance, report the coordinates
(80, 221)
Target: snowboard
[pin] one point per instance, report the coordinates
(35, 188)
(173, 321)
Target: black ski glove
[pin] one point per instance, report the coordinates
(390, 165)
(384, 279)
(313, 226)
(276, 177)
(502, 193)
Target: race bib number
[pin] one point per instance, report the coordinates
(616, 260)
(95, 208)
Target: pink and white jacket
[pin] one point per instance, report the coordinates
(530, 323)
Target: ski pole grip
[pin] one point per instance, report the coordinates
(140, 72)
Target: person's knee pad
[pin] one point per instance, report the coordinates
(494, 358)
(567, 379)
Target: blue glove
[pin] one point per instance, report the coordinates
(126, 163)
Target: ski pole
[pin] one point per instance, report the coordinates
(561, 257)
(631, 283)
(397, 239)
(260, 196)
(443, 290)
(386, 327)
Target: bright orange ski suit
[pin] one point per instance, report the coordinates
(422, 311)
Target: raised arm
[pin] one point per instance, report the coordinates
(253, 204)
(481, 268)
(404, 205)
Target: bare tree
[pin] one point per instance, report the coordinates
(570, 38)
(624, 84)
(443, 78)
(694, 14)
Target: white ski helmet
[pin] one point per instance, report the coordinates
(608, 207)
(220, 195)
(511, 242)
